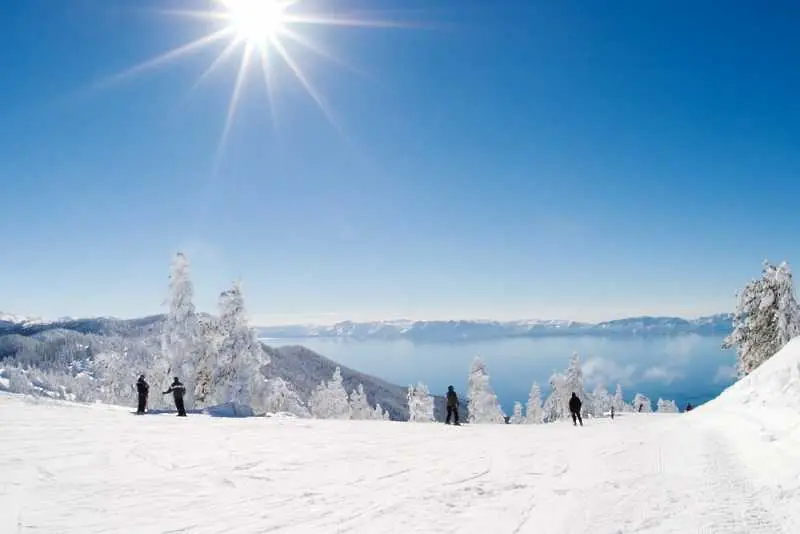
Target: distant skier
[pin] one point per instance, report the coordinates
(612, 413)
(452, 406)
(575, 409)
(689, 407)
(641, 407)
(142, 389)
(178, 390)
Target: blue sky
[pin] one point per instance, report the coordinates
(583, 160)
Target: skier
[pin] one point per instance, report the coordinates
(689, 407)
(177, 389)
(575, 409)
(612, 413)
(452, 406)
(142, 389)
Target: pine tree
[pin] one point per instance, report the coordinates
(420, 404)
(667, 406)
(282, 398)
(359, 407)
(380, 414)
(573, 383)
(642, 404)
(557, 404)
(329, 400)
(602, 401)
(533, 410)
(619, 401)
(767, 317)
(238, 375)
(181, 338)
(517, 418)
(482, 402)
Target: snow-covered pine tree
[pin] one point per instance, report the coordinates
(482, 402)
(206, 359)
(381, 414)
(601, 401)
(667, 406)
(619, 401)
(533, 410)
(573, 383)
(642, 404)
(420, 404)
(181, 340)
(359, 407)
(238, 376)
(767, 317)
(329, 400)
(557, 404)
(517, 418)
(281, 397)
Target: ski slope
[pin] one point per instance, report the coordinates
(726, 467)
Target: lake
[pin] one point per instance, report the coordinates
(685, 368)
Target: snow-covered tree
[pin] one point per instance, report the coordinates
(238, 374)
(359, 406)
(573, 383)
(281, 397)
(181, 339)
(667, 406)
(482, 402)
(329, 400)
(420, 404)
(601, 401)
(767, 317)
(557, 404)
(619, 401)
(642, 404)
(381, 414)
(533, 410)
(517, 418)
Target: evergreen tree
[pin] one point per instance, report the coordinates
(533, 410)
(482, 402)
(281, 397)
(667, 406)
(573, 383)
(517, 418)
(420, 404)
(329, 400)
(642, 404)
(359, 407)
(557, 404)
(767, 317)
(619, 401)
(602, 401)
(181, 338)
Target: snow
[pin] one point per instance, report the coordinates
(72, 468)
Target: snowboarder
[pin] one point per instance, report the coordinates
(142, 389)
(612, 413)
(575, 409)
(177, 389)
(452, 406)
(689, 407)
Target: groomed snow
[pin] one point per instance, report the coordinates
(728, 467)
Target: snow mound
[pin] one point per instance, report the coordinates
(774, 385)
(230, 409)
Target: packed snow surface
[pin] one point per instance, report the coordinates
(732, 466)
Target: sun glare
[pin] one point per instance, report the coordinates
(257, 21)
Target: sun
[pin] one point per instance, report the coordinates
(257, 21)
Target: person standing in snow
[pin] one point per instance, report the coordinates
(177, 389)
(575, 409)
(142, 389)
(612, 413)
(452, 406)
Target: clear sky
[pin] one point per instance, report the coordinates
(569, 159)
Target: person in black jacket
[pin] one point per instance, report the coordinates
(177, 389)
(575, 409)
(452, 406)
(142, 389)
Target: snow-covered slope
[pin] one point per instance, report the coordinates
(95, 469)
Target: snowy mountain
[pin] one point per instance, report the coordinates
(730, 466)
(472, 330)
(62, 344)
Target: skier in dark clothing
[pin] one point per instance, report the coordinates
(575, 409)
(178, 390)
(689, 407)
(142, 389)
(452, 406)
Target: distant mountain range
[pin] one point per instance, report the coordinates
(445, 331)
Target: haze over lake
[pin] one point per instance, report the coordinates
(686, 368)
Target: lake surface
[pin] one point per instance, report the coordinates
(686, 368)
